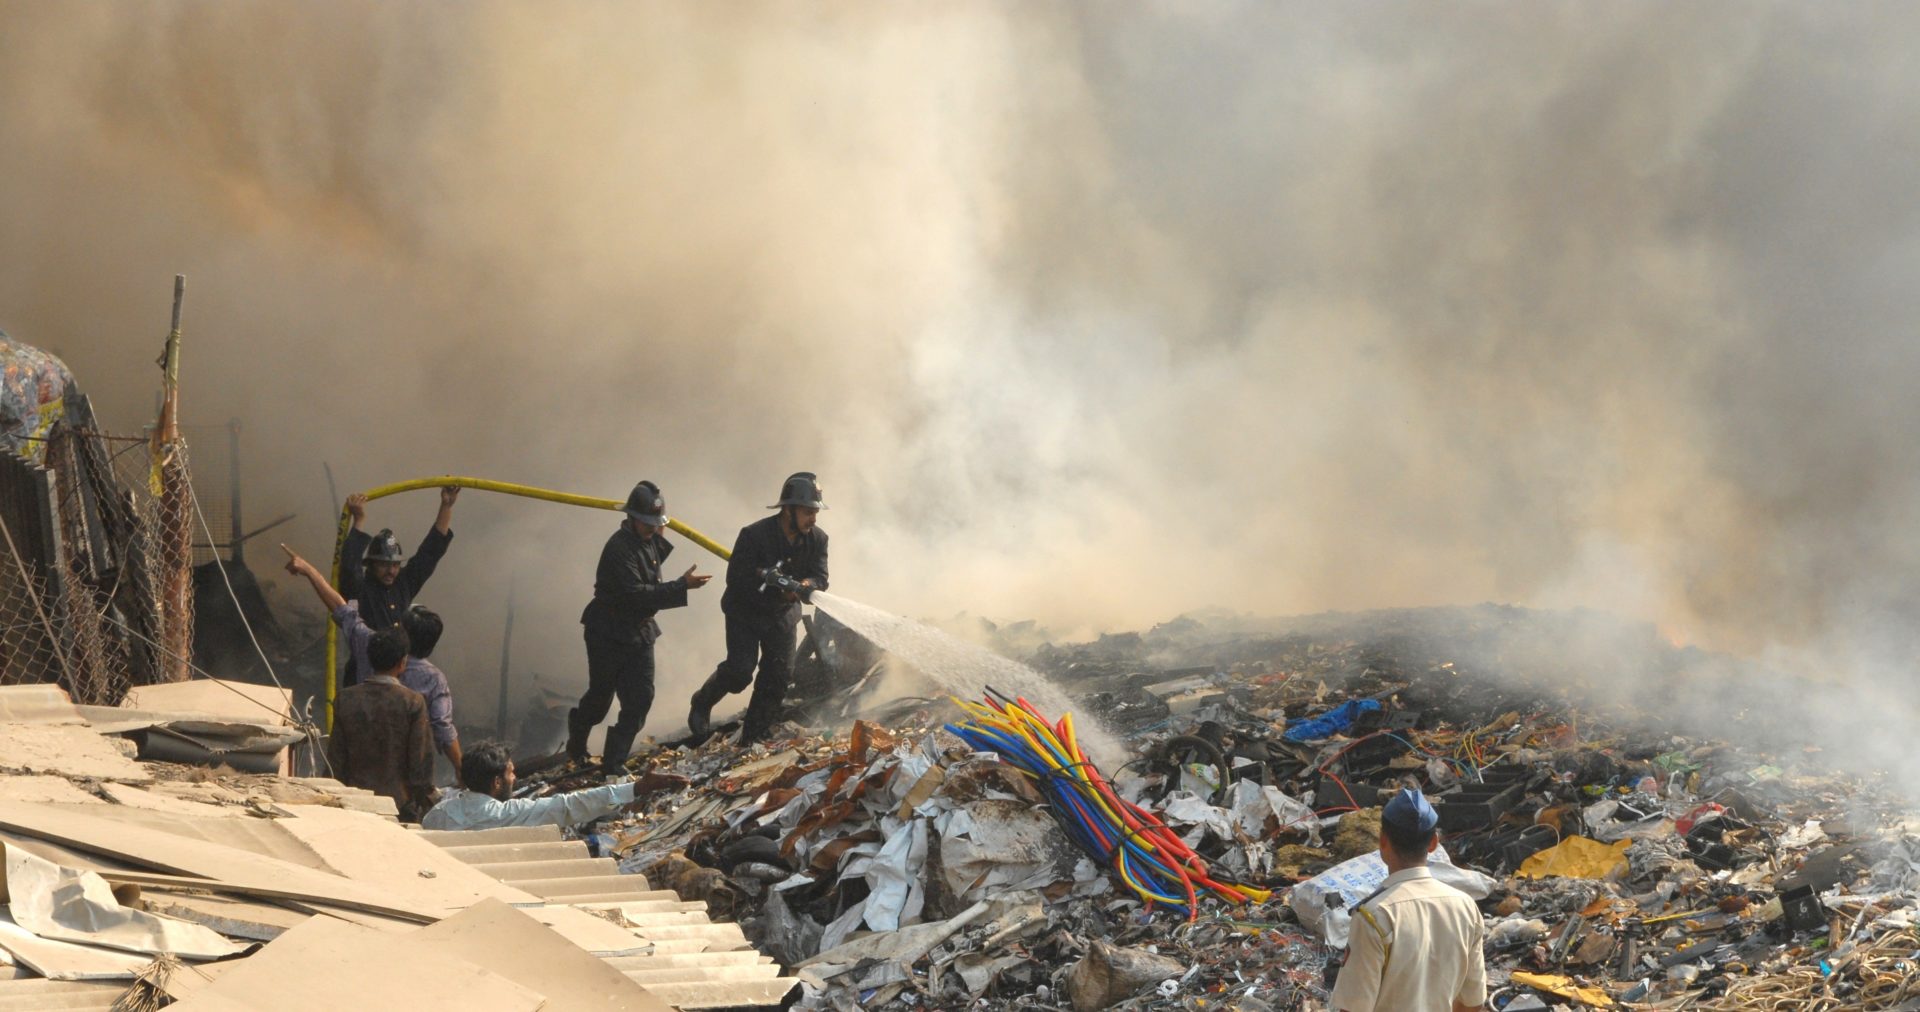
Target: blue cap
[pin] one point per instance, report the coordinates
(1409, 810)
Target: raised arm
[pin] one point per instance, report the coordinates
(444, 521)
(419, 569)
(300, 567)
(353, 550)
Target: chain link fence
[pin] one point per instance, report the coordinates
(96, 550)
(216, 475)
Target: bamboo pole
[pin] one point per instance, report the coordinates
(170, 480)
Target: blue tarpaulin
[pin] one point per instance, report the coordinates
(1331, 722)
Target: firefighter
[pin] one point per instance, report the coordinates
(761, 617)
(620, 628)
(387, 581)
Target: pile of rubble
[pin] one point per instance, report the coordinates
(1621, 858)
(1618, 862)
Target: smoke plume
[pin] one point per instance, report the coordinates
(1089, 314)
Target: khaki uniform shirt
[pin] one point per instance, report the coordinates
(1415, 946)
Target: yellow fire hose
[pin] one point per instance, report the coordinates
(526, 491)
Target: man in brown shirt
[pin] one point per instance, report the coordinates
(380, 740)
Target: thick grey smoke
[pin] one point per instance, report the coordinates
(1092, 315)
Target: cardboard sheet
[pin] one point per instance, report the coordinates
(533, 956)
(134, 797)
(45, 788)
(80, 827)
(243, 700)
(37, 704)
(395, 861)
(64, 856)
(72, 750)
(326, 965)
(227, 826)
(230, 916)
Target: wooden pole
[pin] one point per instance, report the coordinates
(176, 510)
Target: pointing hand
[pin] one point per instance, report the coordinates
(295, 564)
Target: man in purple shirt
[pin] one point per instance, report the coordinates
(423, 676)
(423, 629)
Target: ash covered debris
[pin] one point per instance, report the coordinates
(1621, 854)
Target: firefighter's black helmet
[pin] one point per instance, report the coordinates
(647, 505)
(384, 547)
(801, 488)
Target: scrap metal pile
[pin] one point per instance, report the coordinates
(974, 856)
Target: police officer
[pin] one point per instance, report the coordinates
(761, 617)
(620, 630)
(1416, 944)
(386, 581)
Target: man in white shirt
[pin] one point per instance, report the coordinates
(486, 770)
(1416, 944)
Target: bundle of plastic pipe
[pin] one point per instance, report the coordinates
(1148, 858)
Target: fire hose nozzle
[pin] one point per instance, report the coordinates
(774, 576)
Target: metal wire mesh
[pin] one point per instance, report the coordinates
(96, 586)
(30, 647)
(215, 473)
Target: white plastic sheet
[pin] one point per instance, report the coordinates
(895, 895)
(67, 904)
(1354, 880)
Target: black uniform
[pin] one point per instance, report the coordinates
(760, 623)
(383, 607)
(620, 630)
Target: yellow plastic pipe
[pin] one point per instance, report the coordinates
(485, 485)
